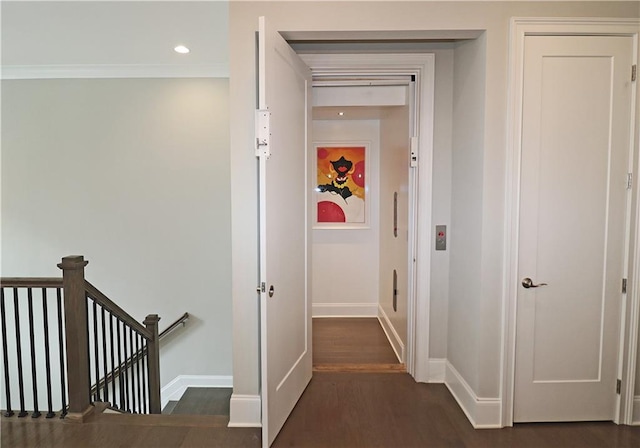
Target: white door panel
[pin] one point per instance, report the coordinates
(284, 84)
(575, 159)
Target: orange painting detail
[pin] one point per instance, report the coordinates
(341, 182)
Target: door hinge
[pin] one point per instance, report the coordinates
(634, 72)
(618, 386)
(263, 134)
(624, 286)
(629, 181)
(413, 155)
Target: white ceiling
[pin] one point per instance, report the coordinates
(114, 33)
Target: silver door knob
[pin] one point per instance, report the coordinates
(528, 283)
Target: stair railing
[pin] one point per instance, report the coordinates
(112, 377)
(78, 306)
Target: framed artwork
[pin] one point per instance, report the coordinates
(341, 185)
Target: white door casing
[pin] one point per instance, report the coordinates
(573, 196)
(284, 89)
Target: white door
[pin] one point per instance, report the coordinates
(573, 201)
(284, 84)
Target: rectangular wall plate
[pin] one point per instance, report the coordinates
(441, 237)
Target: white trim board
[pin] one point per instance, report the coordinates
(392, 335)
(344, 310)
(521, 27)
(174, 390)
(636, 411)
(220, 70)
(483, 413)
(245, 411)
(437, 370)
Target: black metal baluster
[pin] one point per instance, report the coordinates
(138, 356)
(123, 366)
(120, 385)
(63, 370)
(47, 354)
(95, 351)
(113, 362)
(16, 313)
(144, 375)
(132, 378)
(104, 358)
(88, 336)
(5, 354)
(32, 340)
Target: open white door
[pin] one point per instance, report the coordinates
(282, 125)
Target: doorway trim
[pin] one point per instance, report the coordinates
(422, 66)
(519, 29)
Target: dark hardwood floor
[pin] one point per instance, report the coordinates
(380, 410)
(350, 340)
(204, 401)
(337, 409)
(352, 345)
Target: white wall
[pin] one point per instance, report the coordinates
(476, 309)
(134, 175)
(441, 184)
(394, 178)
(344, 260)
(465, 234)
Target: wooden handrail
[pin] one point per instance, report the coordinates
(114, 309)
(31, 282)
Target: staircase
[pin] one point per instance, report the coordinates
(66, 343)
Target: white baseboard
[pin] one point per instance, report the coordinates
(636, 411)
(437, 370)
(344, 310)
(481, 412)
(245, 411)
(392, 335)
(175, 389)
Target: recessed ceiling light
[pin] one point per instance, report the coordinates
(341, 113)
(181, 49)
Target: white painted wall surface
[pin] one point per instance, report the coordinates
(345, 261)
(394, 177)
(134, 175)
(477, 313)
(442, 156)
(465, 235)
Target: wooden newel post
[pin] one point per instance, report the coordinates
(153, 352)
(77, 336)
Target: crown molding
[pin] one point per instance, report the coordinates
(218, 70)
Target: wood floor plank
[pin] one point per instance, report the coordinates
(360, 368)
(204, 401)
(350, 340)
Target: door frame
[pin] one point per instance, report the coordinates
(422, 66)
(628, 346)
